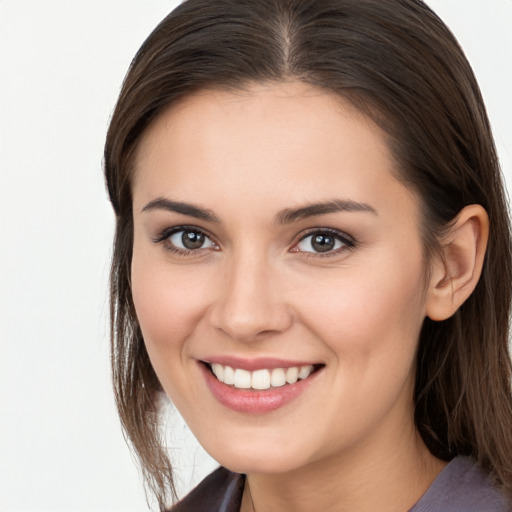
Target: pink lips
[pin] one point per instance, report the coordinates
(253, 401)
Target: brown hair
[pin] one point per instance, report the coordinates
(396, 61)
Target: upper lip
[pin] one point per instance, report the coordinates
(259, 363)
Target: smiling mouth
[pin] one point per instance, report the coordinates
(261, 379)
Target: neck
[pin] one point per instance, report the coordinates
(365, 480)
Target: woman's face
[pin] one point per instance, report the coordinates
(273, 241)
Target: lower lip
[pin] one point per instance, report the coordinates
(253, 401)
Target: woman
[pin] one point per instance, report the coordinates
(312, 259)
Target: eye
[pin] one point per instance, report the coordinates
(323, 241)
(190, 239)
(185, 240)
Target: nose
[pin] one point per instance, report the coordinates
(250, 302)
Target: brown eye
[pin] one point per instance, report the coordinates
(190, 240)
(323, 242)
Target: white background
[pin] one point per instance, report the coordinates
(61, 67)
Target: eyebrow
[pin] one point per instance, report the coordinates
(286, 216)
(183, 208)
(312, 210)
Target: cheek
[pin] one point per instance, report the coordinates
(362, 313)
(168, 305)
(370, 322)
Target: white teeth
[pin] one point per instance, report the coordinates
(260, 379)
(218, 371)
(305, 371)
(242, 379)
(278, 378)
(292, 375)
(229, 375)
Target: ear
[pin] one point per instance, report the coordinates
(456, 270)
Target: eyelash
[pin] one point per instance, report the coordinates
(165, 235)
(348, 243)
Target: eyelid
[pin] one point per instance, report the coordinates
(164, 235)
(167, 232)
(348, 242)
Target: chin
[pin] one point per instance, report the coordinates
(258, 464)
(266, 457)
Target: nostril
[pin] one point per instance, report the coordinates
(251, 324)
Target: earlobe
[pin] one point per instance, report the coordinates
(457, 269)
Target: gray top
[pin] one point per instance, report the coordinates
(460, 487)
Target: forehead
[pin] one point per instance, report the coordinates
(286, 141)
(280, 117)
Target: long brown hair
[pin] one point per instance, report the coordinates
(397, 62)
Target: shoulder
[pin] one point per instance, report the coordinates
(462, 487)
(221, 491)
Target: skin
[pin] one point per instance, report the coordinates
(258, 289)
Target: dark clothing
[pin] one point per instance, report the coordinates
(460, 487)
(220, 491)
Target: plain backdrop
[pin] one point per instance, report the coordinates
(61, 67)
